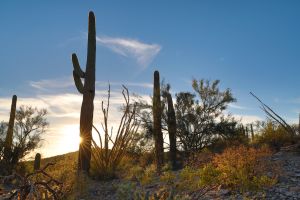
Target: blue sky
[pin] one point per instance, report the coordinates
(248, 45)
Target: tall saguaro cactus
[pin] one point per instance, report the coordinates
(158, 137)
(172, 130)
(87, 89)
(10, 130)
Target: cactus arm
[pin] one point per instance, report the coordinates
(76, 66)
(78, 82)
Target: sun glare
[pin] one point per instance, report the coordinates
(71, 138)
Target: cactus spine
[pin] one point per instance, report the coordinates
(10, 130)
(37, 161)
(87, 89)
(172, 130)
(158, 137)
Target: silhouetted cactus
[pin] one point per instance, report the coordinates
(88, 90)
(37, 161)
(252, 132)
(10, 131)
(158, 137)
(299, 125)
(172, 130)
(247, 132)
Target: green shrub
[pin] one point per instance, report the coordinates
(149, 175)
(126, 191)
(135, 173)
(168, 177)
(188, 179)
(209, 176)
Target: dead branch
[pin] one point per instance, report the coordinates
(270, 113)
(30, 186)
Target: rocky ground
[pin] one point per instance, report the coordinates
(288, 186)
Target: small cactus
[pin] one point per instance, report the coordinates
(37, 161)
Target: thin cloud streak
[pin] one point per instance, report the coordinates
(246, 119)
(48, 84)
(141, 52)
(235, 106)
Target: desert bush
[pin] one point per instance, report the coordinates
(274, 135)
(126, 191)
(199, 159)
(245, 168)
(205, 177)
(149, 175)
(209, 176)
(146, 159)
(168, 177)
(188, 179)
(134, 173)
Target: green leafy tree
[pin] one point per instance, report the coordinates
(200, 116)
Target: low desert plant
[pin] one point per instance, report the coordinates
(126, 191)
(168, 177)
(245, 168)
(274, 135)
(149, 175)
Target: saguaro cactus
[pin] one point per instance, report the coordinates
(10, 130)
(158, 137)
(37, 161)
(87, 89)
(172, 130)
(252, 132)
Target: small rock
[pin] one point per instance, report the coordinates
(295, 189)
(224, 192)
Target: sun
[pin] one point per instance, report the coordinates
(70, 137)
(80, 140)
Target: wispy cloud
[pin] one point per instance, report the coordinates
(235, 106)
(245, 119)
(142, 53)
(127, 84)
(48, 84)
